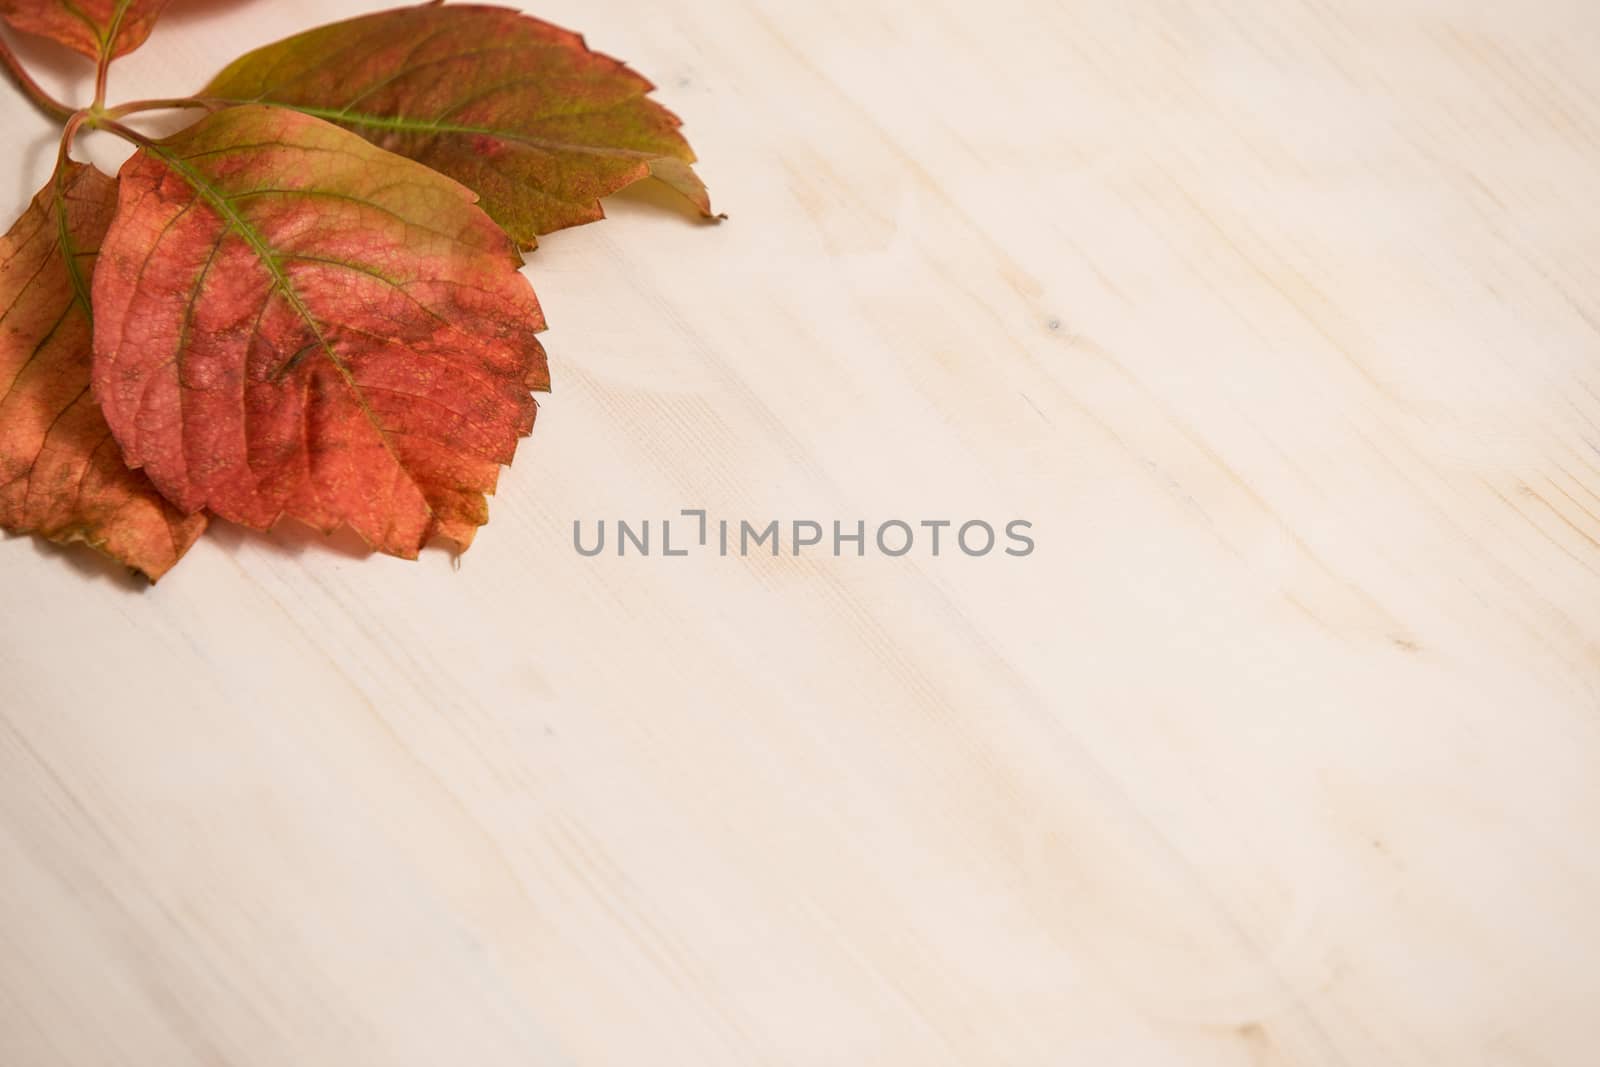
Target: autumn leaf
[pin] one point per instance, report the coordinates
(291, 321)
(61, 474)
(514, 108)
(302, 306)
(87, 26)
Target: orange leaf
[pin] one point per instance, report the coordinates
(93, 27)
(61, 474)
(290, 321)
(517, 109)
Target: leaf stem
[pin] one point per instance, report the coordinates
(132, 136)
(75, 120)
(174, 104)
(102, 70)
(108, 52)
(35, 92)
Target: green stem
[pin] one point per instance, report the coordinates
(108, 51)
(80, 285)
(34, 91)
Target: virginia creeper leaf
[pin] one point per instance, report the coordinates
(61, 474)
(514, 108)
(291, 321)
(115, 27)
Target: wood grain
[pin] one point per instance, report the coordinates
(1279, 319)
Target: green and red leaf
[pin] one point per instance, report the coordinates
(93, 27)
(514, 108)
(61, 473)
(293, 322)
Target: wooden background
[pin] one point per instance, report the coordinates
(1279, 319)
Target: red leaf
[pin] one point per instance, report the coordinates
(87, 26)
(517, 109)
(291, 321)
(61, 474)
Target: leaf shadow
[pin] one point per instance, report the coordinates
(290, 537)
(294, 539)
(181, 11)
(63, 72)
(36, 156)
(54, 64)
(88, 563)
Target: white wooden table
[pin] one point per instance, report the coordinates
(1278, 319)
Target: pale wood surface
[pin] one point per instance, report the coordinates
(1277, 318)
